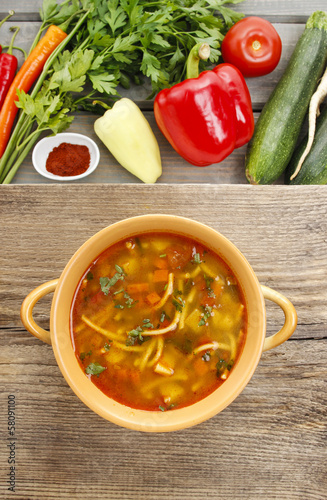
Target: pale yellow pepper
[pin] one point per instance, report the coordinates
(128, 136)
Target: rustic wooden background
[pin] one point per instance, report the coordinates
(270, 443)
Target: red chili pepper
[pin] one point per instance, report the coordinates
(8, 67)
(205, 118)
(239, 93)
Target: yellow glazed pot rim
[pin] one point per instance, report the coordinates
(177, 418)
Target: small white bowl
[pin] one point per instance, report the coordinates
(46, 145)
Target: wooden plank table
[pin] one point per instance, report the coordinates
(287, 17)
(270, 443)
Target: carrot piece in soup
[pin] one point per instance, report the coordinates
(137, 288)
(207, 300)
(160, 275)
(160, 262)
(217, 288)
(153, 298)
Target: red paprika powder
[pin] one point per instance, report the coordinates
(68, 160)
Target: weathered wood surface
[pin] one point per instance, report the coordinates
(291, 10)
(288, 18)
(270, 443)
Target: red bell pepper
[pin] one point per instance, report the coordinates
(206, 117)
(240, 95)
(8, 67)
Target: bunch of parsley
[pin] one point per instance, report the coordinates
(153, 38)
(111, 43)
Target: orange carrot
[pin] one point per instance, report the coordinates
(137, 288)
(153, 298)
(26, 76)
(160, 275)
(217, 288)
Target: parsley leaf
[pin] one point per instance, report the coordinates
(205, 315)
(49, 8)
(177, 301)
(116, 16)
(196, 259)
(134, 335)
(83, 355)
(208, 281)
(147, 324)
(129, 301)
(103, 83)
(178, 305)
(170, 407)
(163, 317)
(151, 66)
(94, 369)
(223, 365)
(106, 283)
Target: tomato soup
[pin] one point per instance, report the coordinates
(158, 321)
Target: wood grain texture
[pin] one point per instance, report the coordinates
(291, 10)
(269, 443)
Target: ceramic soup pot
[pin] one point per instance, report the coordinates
(157, 421)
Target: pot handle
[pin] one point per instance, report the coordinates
(26, 310)
(290, 318)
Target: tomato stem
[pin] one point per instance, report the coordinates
(256, 45)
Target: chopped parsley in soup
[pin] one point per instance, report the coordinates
(158, 321)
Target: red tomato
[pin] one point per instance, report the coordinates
(253, 46)
(178, 256)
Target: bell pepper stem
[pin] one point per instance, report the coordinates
(200, 51)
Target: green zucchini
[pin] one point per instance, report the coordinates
(314, 167)
(280, 121)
